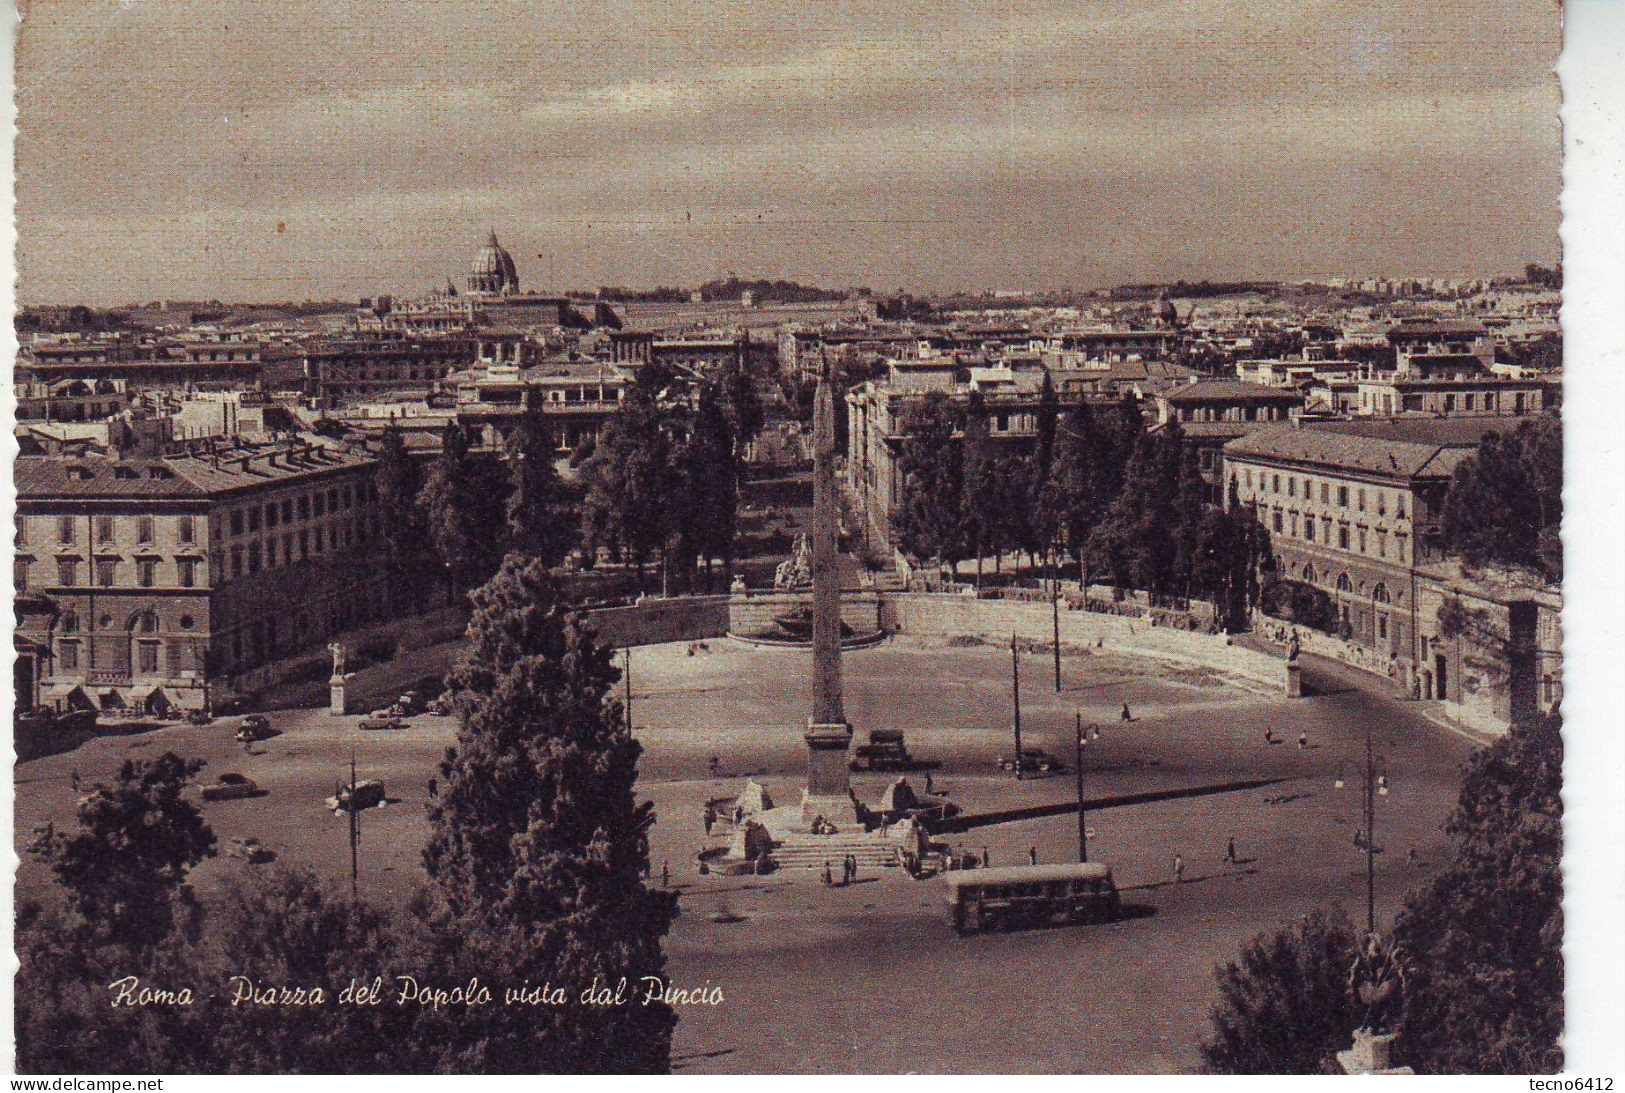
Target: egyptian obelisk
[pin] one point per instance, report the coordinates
(829, 785)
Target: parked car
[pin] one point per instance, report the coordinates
(254, 727)
(230, 787)
(376, 723)
(1031, 759)
(438, 707)
(367, 794)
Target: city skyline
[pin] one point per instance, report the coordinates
(254, 156)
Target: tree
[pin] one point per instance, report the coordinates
(538, 848)
(538, 511)
(462, 509)
(930, 521)
(709, 464)
(1134, 541)
(1485, 992)
(633, 486)
(1505, 502)
(979, 496)
(125, 867)
(398, 484)
(1285, 1006)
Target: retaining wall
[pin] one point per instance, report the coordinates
(656, 621)
(753, 613)
(947, 614)
(936, 614)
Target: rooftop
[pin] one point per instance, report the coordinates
(220, 469)
(1350, 452)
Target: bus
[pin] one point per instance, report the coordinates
(1008, 897)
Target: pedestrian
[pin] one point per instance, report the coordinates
(929, 788)
(434, 787)
(984, 857)
(1094, 733)
(1269, 736)
(852, 869)
(1179, 869)
(665, 873)
(1411, 858)
(1303, 740)
(73, 776)
(1032, 855)
(716, 764)
(1126, 715)
(1230, 851)
(829, 879)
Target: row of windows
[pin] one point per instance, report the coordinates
(308, 542)
(104, 529)
(1343, 494)
(107, 572)
(304, 507)
(1358, 539)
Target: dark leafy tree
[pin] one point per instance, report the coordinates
(538, 850)
(462, 510)
(1133, 541)
(540, 521)
(981, 485)
(931, 520)
(399, 484)
(1485, 936)
(1285, 1006)
(1505, 502)
(633, 486)
(710, 468)
(125, 866)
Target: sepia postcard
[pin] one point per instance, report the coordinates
(992, 536)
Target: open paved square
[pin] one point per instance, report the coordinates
(871, 977)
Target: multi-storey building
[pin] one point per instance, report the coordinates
(364, 367)
(1211, 413)
(1355, 513)
(173, 581)
(880, 416)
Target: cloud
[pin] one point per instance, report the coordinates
(211, 119)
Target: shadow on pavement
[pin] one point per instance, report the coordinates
(1062, 808)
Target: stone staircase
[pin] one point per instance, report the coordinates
(870, 852)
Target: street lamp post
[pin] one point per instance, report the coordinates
(1015, 700)
(1083, 826)
(1055, 616)
(1375, 785)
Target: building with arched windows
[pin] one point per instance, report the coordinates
(1353, 511)
(173, 582)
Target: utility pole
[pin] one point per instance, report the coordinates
(1055, 617)
(1015, 700)
(628, 702)
(355, 834)
(1370, 837)
(1083, 827)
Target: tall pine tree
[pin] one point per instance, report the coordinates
(538, 851)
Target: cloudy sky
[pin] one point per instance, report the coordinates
(261, 150)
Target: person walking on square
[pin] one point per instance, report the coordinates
(1269, 736)
(1032, 855)
(1179, 869)
(852, 868)
(1230, 851)
(73, 776)
(929, 788)
(829, 879)
(1303, 740)
(1126, 715)
(984, 857)
(665, 874)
